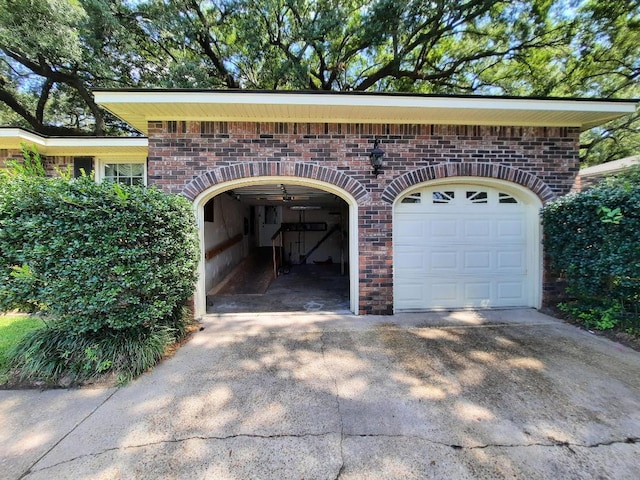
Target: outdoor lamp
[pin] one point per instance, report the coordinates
(376, 156)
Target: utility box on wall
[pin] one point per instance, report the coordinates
(269, 220)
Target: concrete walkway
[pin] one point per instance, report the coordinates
(500, 394)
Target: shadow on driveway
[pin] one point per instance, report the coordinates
(492, 394)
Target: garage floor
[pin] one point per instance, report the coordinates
(306, 288)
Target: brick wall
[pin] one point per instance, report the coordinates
(8, 154)
(181, 153)
(54, 164)
(51, 164)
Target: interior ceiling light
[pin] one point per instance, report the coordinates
(305, 207)
(285, 196)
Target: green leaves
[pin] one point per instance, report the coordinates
(42, 27)
(593, 240)
(608, 215)
(95, 256)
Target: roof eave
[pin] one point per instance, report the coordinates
(14, 138)
(139, 107)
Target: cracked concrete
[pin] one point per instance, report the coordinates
(339, 412)
(491, 394)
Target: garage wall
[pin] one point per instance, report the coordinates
(300, 243)
(192, 161)
(228, 215)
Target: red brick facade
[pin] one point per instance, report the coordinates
(190, 157)
(52, 165)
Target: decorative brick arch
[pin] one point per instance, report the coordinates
(271, 169)
(448, 170)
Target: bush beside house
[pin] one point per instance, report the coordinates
(593, 240)
(108, 267)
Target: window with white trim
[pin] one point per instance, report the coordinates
(124, 171)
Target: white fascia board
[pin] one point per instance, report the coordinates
(14, 138)
(22, 136)
(377, 101)
(81, 142)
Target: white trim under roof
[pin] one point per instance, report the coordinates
(610, 167)
(13, 138)
(137, 107)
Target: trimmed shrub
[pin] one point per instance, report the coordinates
(593, 239)
(109, 268)
(95, 256)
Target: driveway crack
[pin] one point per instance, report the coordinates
(30, 469)
(552, 443)
(337, 399)
(180, 440)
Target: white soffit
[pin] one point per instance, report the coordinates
(13, 138)
(139, 107)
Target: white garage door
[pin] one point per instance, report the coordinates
(461, 246)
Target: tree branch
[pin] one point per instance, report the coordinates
(12, 102)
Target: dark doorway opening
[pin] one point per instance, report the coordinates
(290, 252)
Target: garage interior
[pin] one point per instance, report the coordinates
(276, 247)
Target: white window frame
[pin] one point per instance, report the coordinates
(101, 162)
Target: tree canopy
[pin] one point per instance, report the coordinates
(54, 52)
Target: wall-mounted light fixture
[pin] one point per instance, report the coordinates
(376, 157)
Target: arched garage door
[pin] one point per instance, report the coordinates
(466, 245)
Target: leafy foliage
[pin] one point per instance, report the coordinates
(94, 256)
(593, 239)
(109, 267)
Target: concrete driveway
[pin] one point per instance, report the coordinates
(500, 394)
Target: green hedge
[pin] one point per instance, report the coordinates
(95, 256)
(593, 239)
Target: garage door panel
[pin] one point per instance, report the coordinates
(479, 259)
(510, 228)
(443, 293)
(477, 291)
(462, 251)
(410, 230)
(511, 260)
(411, 293)
(444, 260)
(479, 229)
(443, 228)
(411, 259)
(513, 291)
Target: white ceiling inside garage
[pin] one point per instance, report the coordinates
(285, 195)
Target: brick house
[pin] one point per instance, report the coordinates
(450, 219)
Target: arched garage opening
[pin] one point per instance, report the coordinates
(276, 243)
(466, 242)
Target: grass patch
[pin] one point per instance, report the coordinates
(12, 329)
(57, 356)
